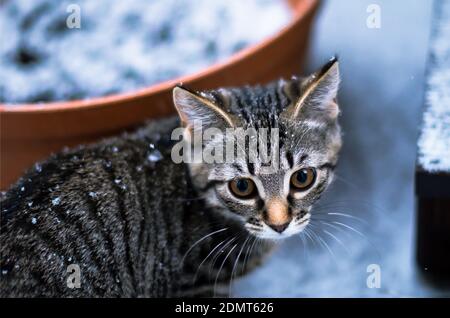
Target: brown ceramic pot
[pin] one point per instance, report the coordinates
(31, 132)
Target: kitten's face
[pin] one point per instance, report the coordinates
(270, 203)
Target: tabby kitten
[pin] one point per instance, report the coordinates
(121, 219)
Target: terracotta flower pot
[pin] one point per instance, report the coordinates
(31, 132)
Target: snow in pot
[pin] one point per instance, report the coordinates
(120, 46)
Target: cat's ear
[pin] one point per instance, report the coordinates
(317, 95)
(193, 107)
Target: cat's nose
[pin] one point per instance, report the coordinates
(277, 215)
(279, 227)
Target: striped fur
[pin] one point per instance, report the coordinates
(126, 221)
(139, 225)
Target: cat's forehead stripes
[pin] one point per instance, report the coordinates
(251, 168)
(290, 158)
(258, 106)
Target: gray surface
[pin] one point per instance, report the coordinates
(381, 96)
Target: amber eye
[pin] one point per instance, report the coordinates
(303, 179)
(242, 187)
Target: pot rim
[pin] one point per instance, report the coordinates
(300, 9)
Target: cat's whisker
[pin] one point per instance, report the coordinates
(351, 203)
(349, 216)
(219, 252)
(308, 235)
(337, 228)
(254, 228)
(327, 247)
(338, 241)
(350, 228)
(305, 247)
(198, 242)
(340, 226)
(250, 246)
(259, 244)
(362, 235)
(235, 265)
(353, 230)
(346, 215)
(324, 244)
(325, 218)
(331, 208)
(206, 258)
(221, 266)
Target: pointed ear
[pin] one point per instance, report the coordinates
(318, 94)
(194, 107)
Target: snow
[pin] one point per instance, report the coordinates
(434, 141)
(56, 201)
(155, 156)
(121, 45)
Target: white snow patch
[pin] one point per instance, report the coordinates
(434, 141)
(123, 45)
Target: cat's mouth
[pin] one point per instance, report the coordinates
(278, 232)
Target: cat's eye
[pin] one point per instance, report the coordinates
(242, 187)
(303, 179)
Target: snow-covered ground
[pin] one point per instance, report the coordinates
(120, 45)
(381, 98)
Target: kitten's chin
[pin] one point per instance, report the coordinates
(267, 233)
